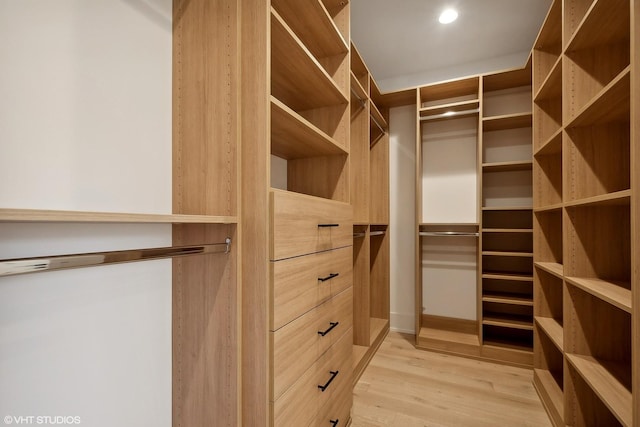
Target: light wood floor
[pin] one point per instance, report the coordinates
(406, 387)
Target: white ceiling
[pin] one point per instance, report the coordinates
(404, 45)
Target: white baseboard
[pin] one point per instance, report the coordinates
(403, 322)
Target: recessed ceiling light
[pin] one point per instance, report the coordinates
(448, 16)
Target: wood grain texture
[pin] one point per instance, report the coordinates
(297, 345)
(295, 224)
(380, 276)
(450, 89)
(206, 340)
(296, 287)
(301, 403)
(379, 181)
(550, 394)
(362, 290)
(635, 201)
(38, 215)
(407, 387)
(206, 106)
(255, 211)
(326, 177)
(359, 162)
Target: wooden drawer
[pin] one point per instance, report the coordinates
(302, 225)
(337, 411)
(298, 345)
(300, 284)
(301, 403)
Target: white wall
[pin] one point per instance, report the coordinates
(85, 124)
(402, 158)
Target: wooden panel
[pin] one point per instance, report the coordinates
(303, 225)
(547, 178)
(398, 98)
(206, 78)
(635, 201)
(38, 215)
(379, 276)
(605, 22)
(298, 345)
(547, 295)
(547, 242)
(362, 290)
(336, 412)
(296, 285)
(379, 184)
(359, 163)
(205, 352)
(300, 404)
(548, 45)
(553, 329)
(255, 210)
(506, 79)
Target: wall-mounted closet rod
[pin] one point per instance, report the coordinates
(358, 235)
(377, 233)
(11, 267)
(449, 114)
(448, 234)
(363, 103)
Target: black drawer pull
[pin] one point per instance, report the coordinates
(328, 225)
(329, 277)
(333, 325)
(335, 422)
(334, 374)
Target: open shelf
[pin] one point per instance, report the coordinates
(310, 86)
(507, 298)
(507, 121)
(604, 379)
(508, 321)
(548, 45)
(551, 87)
(508, 254)
(551, 267)
(43, 215)
(547, 176)
(507, 166)
(507, 276)
(507, 80)
(449, 92)
(551, 393)
(619, 198)
(358, 89)
(506, 208)
(551, 145)
(454, 107)
(553, 329)
(609, 105)
(605, 22)
(377, 328)
(615, 293)
(311, 22)
(294, 137)
(507, 230)
(549, 208)
(377, 115)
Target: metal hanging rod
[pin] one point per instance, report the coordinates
(448, 234)
(363, 103)
(449, 114)
(358, 235)
(12, 267)
(377, 233)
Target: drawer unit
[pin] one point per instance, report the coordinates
(300, 284)
(302, 225)
(298, 345)
(337, 412)
(317, 386)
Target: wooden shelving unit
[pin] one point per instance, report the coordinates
(507, 257)
(296, 93)
(370, 202)
(583, 196)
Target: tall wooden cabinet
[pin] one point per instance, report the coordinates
(370, 201)
(586, 218)
(297, 244)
